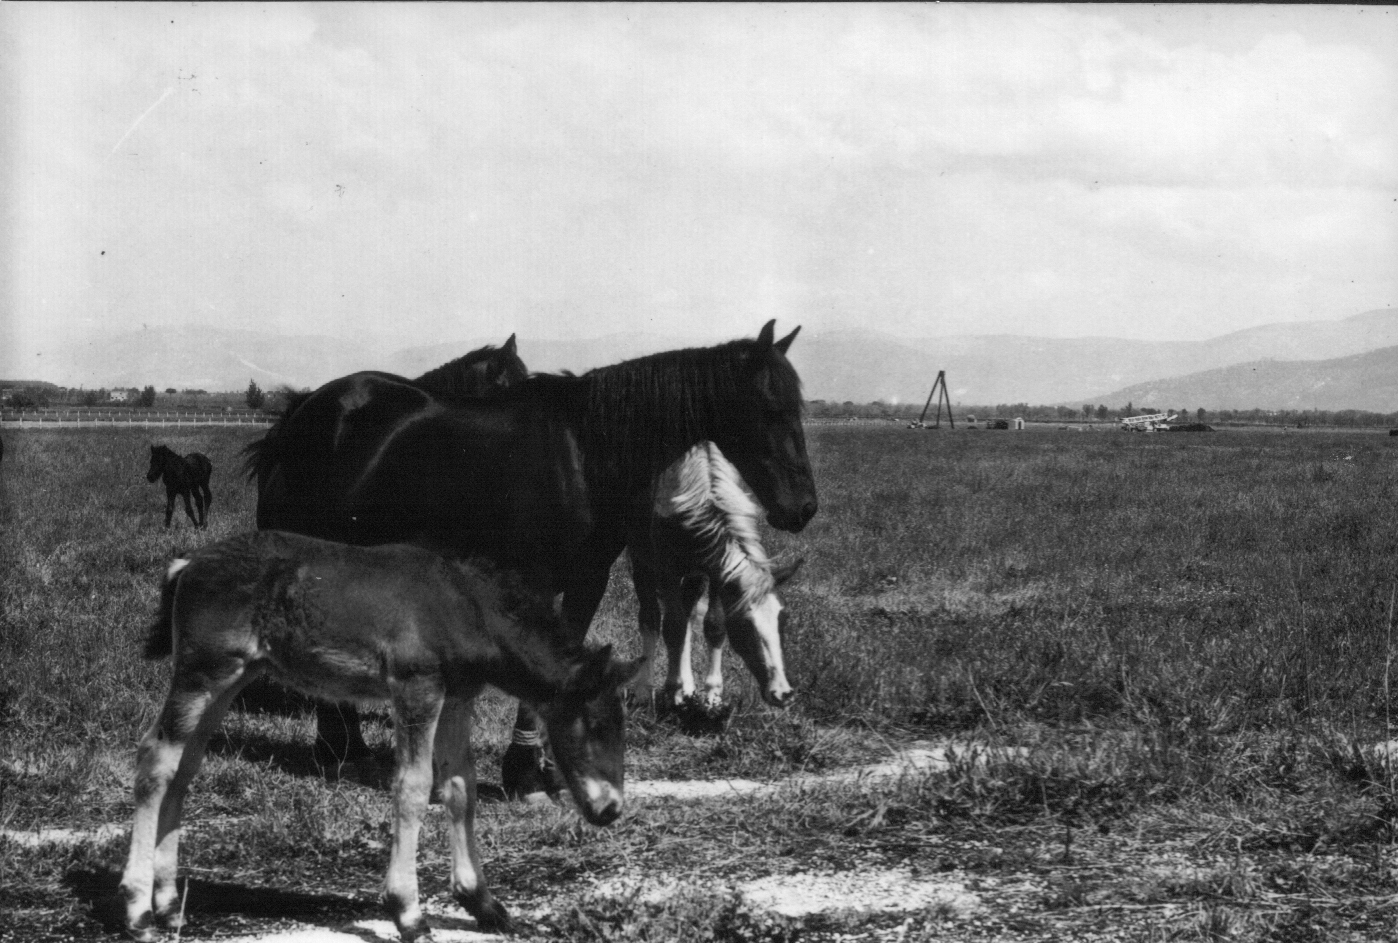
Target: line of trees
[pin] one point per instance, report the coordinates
(46, 395)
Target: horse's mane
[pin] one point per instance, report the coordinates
(453, 378)
(648, 411)
(713, 509)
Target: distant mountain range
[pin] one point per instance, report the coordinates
(1313, 364)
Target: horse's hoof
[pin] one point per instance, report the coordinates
(420, 933)
(523, 771)
(490, 916)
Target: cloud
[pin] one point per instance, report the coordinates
(934, 167)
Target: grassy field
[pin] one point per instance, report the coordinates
(1169, 656)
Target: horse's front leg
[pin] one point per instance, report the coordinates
(455, 763)
(648, 618)
(416, 707)
(525, 769)
(169, 505)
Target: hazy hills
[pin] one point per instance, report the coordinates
(1366, 381)
(1263, 367)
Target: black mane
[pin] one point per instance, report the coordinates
(644, 413)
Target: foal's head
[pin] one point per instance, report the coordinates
(704, 493)
(586, 725)
(159, 454)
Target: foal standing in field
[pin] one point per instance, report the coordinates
(695, 551)
(184, 477)
(395, 623)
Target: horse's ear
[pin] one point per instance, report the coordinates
(764, 337)
(785, 571)
(509, 347)
(785, 343)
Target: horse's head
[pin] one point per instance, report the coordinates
(481, 372)
(761, 432)
(755, 631)
(157, 461)
(504, 369)
(586, 725)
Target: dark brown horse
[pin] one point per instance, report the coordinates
(541, 477)
(186, 477)
(394, 623)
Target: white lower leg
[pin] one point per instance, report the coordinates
(713, 678)
(412, 790)
(156, 764)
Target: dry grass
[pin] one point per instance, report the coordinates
(1188, 638)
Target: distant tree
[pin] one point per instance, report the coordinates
(1102, 411)
(254, 396)
(169, 390)
(1087, 410)
(147, 397)
(1129, 410)
(1199, 414)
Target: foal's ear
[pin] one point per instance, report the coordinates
(590, 673)
(621, 674)
(785, 571)
(509, 347)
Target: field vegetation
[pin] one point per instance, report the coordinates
(1165, 661)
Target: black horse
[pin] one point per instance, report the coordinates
(541, 477)
(186, 477)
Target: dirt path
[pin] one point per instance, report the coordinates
(799, 894)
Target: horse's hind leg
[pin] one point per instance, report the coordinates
(169, 506)
(416, 707)
(456, 768)
(208, 500)
(167, 759)
(338, 736)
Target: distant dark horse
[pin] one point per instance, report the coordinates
(541, 477)
(186, 477)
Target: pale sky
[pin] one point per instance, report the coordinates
(440, 172)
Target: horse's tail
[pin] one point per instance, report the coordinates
(260, 455)
(161, 641)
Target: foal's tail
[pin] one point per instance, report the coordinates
(161, 641)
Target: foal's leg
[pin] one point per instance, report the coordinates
(169, 504)
(685, 607)
(715, 634)
(456, 771)
(188, 509)
(416, 707)
(167, 759)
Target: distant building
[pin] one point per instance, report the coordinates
(117, 396)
